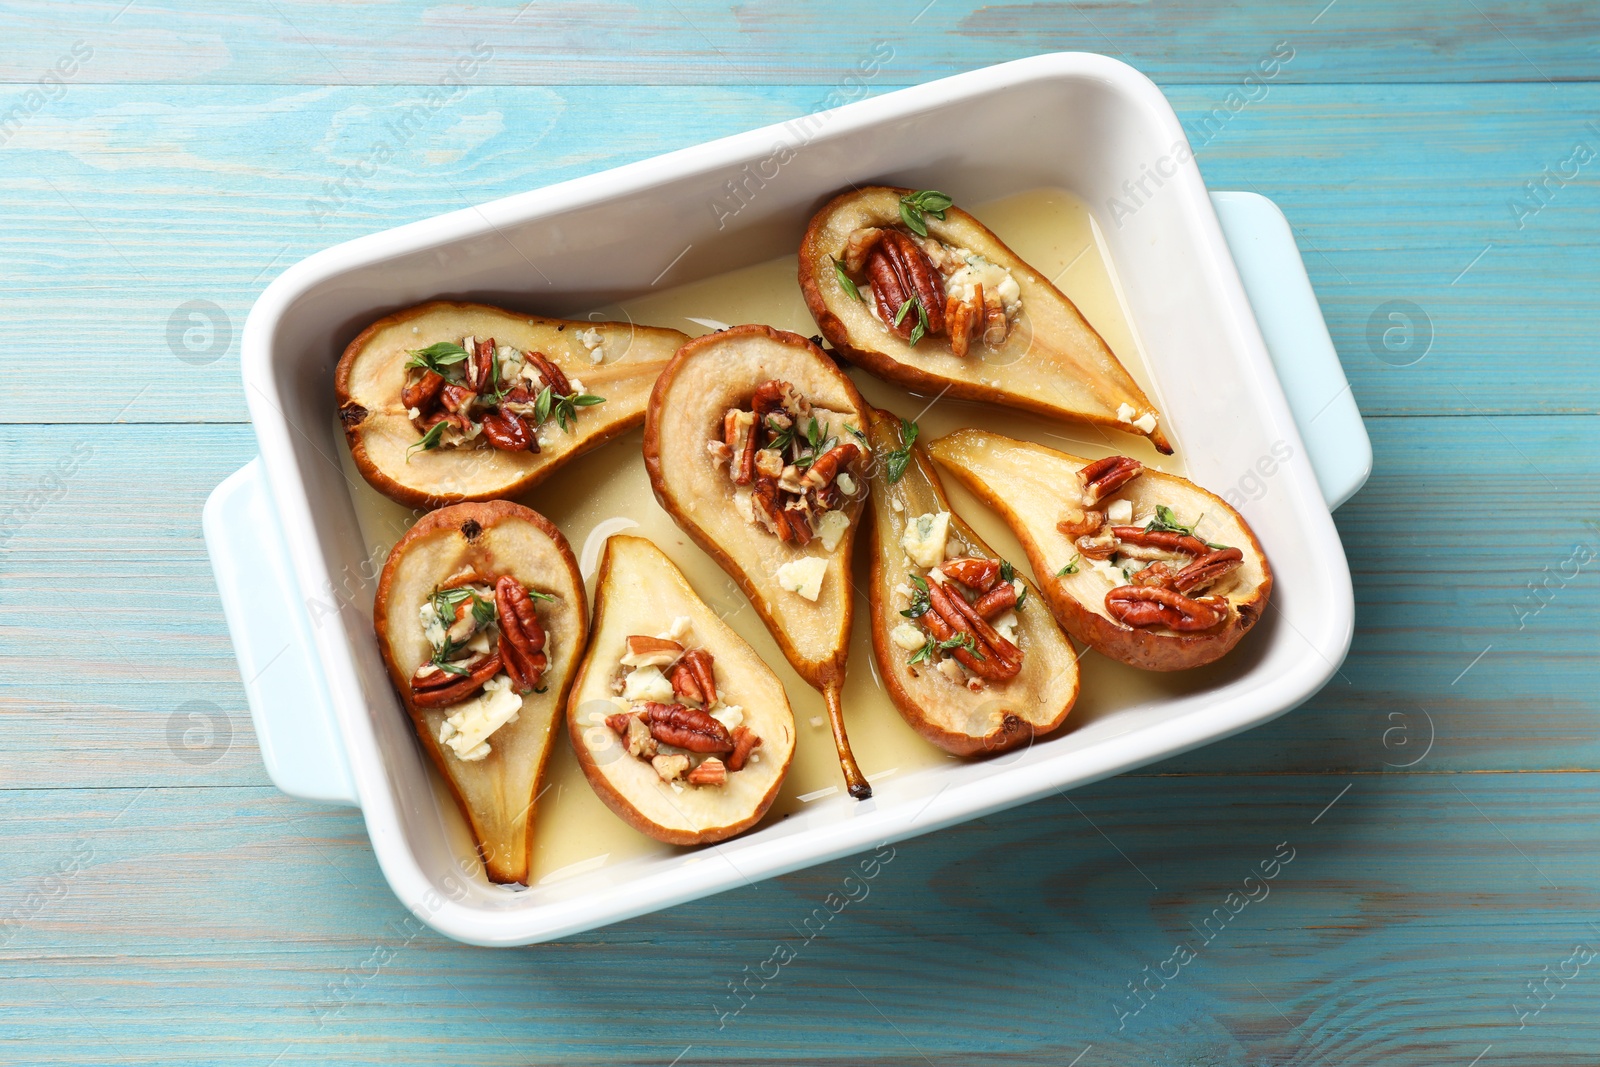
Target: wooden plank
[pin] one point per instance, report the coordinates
(1400, 926)
(698, 41)
(125, 205)
(108, 573)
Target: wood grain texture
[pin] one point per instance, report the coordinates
(414, 42)
(130, 203)
(161, 903)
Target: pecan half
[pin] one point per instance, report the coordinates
(828, 465)
(1206, 569)
(1006, 652)
(739, 435)
(1100, 545)
(962, 319)
(686, 727)
(1105, 476)
(685, 684)
(443, 689)
(699, 662)
(992, 657)
(1151, 605)
(1001, 598)
(710, 772)
(553, 375)
(521, 634)
(422, 393)
(507, 432)
(745, 741)
(975, 573)
(899, 270)
(481, 366)
(770, 396)
(1169, 540)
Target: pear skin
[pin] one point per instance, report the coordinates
(1052, 361)
(372, 372)
(708, 376)
(1034, 488)
(496, 794)
(640, 591)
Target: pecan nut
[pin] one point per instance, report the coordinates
(521, 634)
(1152, 605)
(710, 772)
(422, 393)
(507, 432)
(443, 689)
(1206, 569)
(553, 375)
(685, 684)
(480, 368)
(686, 727)
(1001, 598)
(828, 465)
(699, 663)
(1168, 540)
(1105, 476)
(975, 573)
(745, 741)
(899, 271)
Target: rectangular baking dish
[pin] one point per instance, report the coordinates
(283, 532)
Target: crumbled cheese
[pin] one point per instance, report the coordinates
(413, 413)
(1112, 574)
(742, 502)
(647, 683)
(595, 343)
(902, 590)
(846, 484)
(894, 502)
(416, 329)
(1146, 422)
(433, 627)
(681, 630)
(469, 727)
(994, 278)
(803, 576)
(510, 361)
(831, 528)
(1125, 412)
(925, 537)
(577, 385)
(937, 576)
(729, 715)
(816, 722)
(1006, 626)
(1120, 512)
(952, 670)
(907, 637)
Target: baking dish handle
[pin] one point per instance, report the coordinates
(1297, 338)
(271, 631)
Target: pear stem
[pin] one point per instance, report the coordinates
(854, 780)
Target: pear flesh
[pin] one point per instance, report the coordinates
(640, 592)
(972, 717)
(384, 441)
(496, 792)
(1050, 361)
(1038, 491)
(685, 419)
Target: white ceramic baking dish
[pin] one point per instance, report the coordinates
(283, 531)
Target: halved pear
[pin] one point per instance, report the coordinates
(708, 376)
(496, 793)
(1034, 488)
(640, 592)
(1051, 361)
(958, 719)
(383, 441)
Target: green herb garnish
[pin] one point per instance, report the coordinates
(1071, 567)
(436, 357)
(913, 206)
(898, 315)
(783, 436)
(816, 445)
(1166, 521)
(429, 440)
(844, 280)
(919, 599)
(920, 330)
(1007, 571)
(894, 464)
(933, 646)
(564, 408)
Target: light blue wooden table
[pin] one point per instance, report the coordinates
(161, 903)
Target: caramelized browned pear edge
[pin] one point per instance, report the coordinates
(640, 591)
(496, 794)
(372, 372)
(1033, 488)
(1001, 715)
(708, 376)
(1057, 365)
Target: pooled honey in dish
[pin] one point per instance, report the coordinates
(607, 492)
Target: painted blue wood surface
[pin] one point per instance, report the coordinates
(161, 903)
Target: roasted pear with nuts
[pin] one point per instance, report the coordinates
(481, 621)
(754, 443)
(919, 292)
(679, 726)
(1145, 567)
(447, 402)
(966, 650)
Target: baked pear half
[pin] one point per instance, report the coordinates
(481, 620)
(755, 442)
(447, 402)
(679, 726)
(1147, 568)
(919, 292)
(967, 651)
